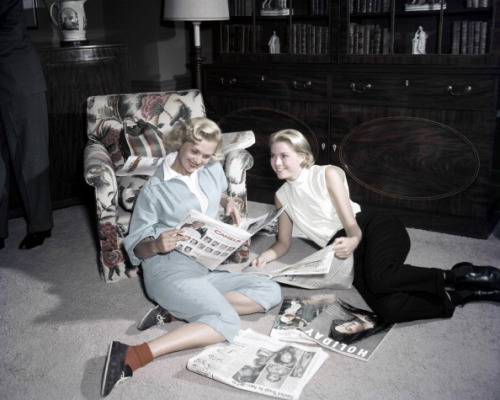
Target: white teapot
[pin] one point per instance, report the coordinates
(69, 16)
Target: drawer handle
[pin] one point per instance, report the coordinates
(301, 87)
(363, 89)
(230, 82)
(453, 92)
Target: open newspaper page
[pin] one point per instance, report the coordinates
(320, 270)
(314, 264)
(339, 275)
(348, 330)
(296, 313)
(211, 241)
(139, 165)
(260, 364)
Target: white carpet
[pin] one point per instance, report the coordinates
(58, 318)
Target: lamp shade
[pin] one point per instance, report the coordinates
(195, 10)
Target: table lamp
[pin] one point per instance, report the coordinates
(196, 11)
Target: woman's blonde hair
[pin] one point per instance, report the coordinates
(298, 143)
(194, 131)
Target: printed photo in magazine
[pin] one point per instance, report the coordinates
(261, 364)
(296, 313)
(320, 270)
(211, 241)
(348, 330)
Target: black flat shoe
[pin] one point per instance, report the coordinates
(461, 297)
(35, 239)
(471, 276)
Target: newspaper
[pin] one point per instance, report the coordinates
(320, 270)
(314, 264)
(272, 230)
(261, 364)
(296, 313)
(348, 330)
(139, 165)
(211, 241)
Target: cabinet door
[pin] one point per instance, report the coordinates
(423, 160)
(265, 117)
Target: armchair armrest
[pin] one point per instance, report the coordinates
(236, 164)
(99, 172)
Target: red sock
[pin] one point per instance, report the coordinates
(138, 356)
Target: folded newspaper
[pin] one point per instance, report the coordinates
(142, 165)
(320, 270)
(261, 364)
(347, 330)
(211, 241)
(296, 313)
(139, 165)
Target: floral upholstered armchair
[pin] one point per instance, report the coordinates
(121, 125)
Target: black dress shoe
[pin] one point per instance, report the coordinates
(471, 276)
(35, 239)
(2, 243)
(461, 297)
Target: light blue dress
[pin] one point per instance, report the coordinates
(179, 284)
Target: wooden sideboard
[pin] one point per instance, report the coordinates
(417, 144)
(72, 75)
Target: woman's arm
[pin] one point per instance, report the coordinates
(283, 242)
(166, 242)
(343, 246)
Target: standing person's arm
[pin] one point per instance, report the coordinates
(283, 242)
(343, 246)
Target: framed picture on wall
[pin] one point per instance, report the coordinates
(30, 14)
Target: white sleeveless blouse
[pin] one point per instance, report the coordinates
(310, 206)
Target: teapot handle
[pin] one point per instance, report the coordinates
(54, 20)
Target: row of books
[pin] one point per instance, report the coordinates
(478, 3)
(240, 8)
(238, 38)
(318, 7)
(368, 39)
(305, 39)
(369, 6)
(469, 37)
(310, 39)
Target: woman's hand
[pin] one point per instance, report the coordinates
(260, 261)
(345, 246)
(167, 241)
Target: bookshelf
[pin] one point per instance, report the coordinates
(340, 92)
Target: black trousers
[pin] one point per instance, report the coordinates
(24, 149)
(396, 291)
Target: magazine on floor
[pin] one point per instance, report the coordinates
(348, 330)
(320, 270)
(296, 313)
(260, 364)
(211, 241)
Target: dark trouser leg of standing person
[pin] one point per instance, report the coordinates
(397, 292)
(25, 126)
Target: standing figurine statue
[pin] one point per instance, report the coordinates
(266, 4)
(274, 44)
(419, 41)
